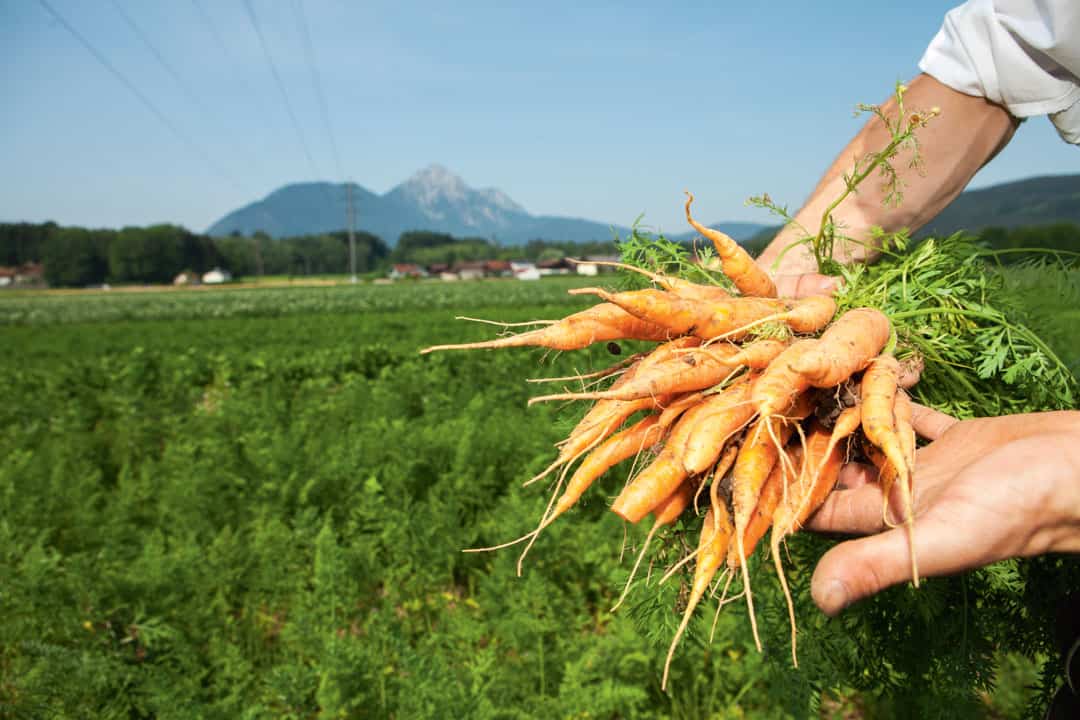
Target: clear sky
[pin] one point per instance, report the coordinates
(587, 109)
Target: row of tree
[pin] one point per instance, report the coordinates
(431, 248)
(76, 256)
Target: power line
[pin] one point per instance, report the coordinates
(281, 88)
(192, 97)
(309, 54)
(350, 208)
(208, 21)
(100, 57)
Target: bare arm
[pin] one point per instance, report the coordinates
(969, 132)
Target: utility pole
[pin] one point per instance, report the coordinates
(352, 234)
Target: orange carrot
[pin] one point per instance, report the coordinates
(758, 355)
(759, 452)
(847, 422)
(781, 383)
(675, 285)
(666, 513)
(694, 369)
(810, 314)
(879, 385)
(737, 263)
(659, 307)
(886, 477)
(615, 413)
(599, 323)
(684, 316)
(712, 548)
(600, 410)
(663, 475)
(612, 451)
(805, 315)
(722, 415)
(678, 406)
(759, 455)
(902, 412)
(761, 518)
(820, 469)
(845, 348)
(689, 370)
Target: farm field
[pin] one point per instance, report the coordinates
(251, 503)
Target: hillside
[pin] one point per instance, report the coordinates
(432, 199)
(436, 199)
(1034, 201)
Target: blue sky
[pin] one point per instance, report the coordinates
(597, 110)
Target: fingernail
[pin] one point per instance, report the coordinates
(835, 597)
(830, 284)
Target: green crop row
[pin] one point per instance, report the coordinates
(253, 504)
(45, 308)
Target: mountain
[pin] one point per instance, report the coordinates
(1034, 201)
(432, 199)
(436, 199)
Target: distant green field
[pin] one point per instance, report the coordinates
(44, 308)
(251, 503)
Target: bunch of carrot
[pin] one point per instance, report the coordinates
(749, 400)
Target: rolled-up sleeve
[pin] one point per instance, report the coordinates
(1022, 55)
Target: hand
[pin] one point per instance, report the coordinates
(800, 286)
(985, 490)
(796, 276)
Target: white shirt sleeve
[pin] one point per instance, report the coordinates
(1022, 54)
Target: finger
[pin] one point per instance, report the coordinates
(910, 371)
(851, 512)
(798, 286)
(853, 475)
(930, 423)
(856, 569)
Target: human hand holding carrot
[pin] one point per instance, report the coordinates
(798, 277)
(985, 490)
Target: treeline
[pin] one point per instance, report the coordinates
(431, 248)
(76, 256)
(1015, 241)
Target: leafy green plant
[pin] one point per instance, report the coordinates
(930, 652)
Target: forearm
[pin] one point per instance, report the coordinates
(1061, 532)
(966, 135)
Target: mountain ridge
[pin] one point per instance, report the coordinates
(436, 199)
(432, 198)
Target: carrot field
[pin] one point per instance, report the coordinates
(252, 503)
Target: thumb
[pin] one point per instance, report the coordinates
(800, 286)
(857, 569)
(930, 423)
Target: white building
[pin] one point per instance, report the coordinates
(216, 276)
(524, 271)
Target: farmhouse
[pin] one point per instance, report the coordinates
(557, 266)
(524, 271)
(470, 270)
(400, 271)
(216, 276)
(590, 266)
